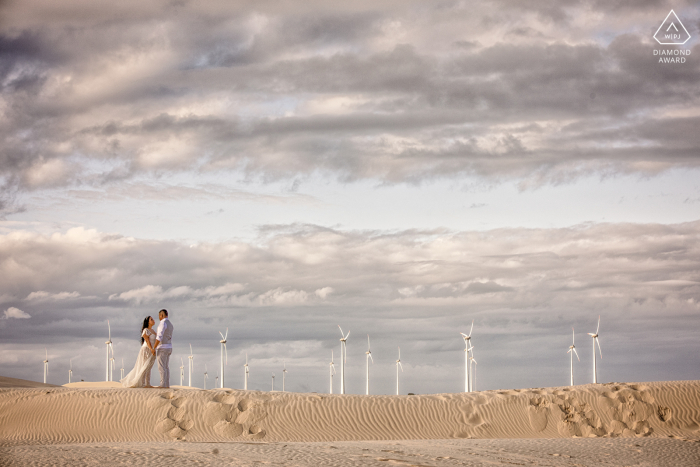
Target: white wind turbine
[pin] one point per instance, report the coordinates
(595, 340)
(122, 373)
(206, 376)
(332, 372)
(245, 376)
(182, 371)
(572, 351)
(467, 342)
(190, 368)
(46, 366)
(223, 350)
(109, 345)
(70, 372)
(398, 364)
(273, 381)
(369, 356)
(284, 372)
(343, 358)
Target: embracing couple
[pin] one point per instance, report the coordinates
(155, 345)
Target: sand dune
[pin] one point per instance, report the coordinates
(89, 415)
(22, 383)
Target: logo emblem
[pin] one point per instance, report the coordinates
(672, 31)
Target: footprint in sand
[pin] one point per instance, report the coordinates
(232, 418)
(537, 413)
(175, 424)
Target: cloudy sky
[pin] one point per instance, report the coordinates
(400, 168)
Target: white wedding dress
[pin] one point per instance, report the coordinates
(140, 376)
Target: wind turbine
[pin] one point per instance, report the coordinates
(273, 381)
(467, 342)
(595, 340)
(284, 372)
(398, 364)
(190, 368)
(70, 372)
(572, 351)
(245, 376)
(369, 356)
(206, 376)
(46, 367)
(332, 372)
(122, 370)
(223, 349)
(182, 371)
(343, 358)
(109, 344)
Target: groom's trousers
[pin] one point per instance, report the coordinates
(163, 357)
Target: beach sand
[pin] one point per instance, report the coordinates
(603, 424)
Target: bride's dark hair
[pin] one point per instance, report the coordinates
(146, 320)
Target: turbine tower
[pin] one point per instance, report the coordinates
(369, 356)
(111, 365)
(595, 340)
(46, 366)
(223, 350)
(206, 376)
(109, 344)
(70, 372)
(343, 358)
(273, 381)
(332, 372)
(467, 342)
(182, 371)
(190, 368)
(572, 351)
(122, 373)
(472, 377)
(245, 376)
(284, 372)
(398, 364)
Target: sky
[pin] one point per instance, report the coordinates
(399, 168)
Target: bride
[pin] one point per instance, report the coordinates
(140, 376)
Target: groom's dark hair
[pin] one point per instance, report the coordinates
(164, 311)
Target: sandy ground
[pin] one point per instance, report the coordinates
(606, 424)
(651, 452)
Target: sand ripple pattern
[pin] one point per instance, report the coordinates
(70, 415)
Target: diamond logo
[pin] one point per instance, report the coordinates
(672, 31)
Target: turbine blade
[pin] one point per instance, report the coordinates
(346, 337)
(598, 329)
(401, 366)
(370, 357)
(470, 331)
(341, 330)
(190, 349)
(368, 346)
(573, 335)
(599, 349)
(226, 334)
(222, 336)
(474, 360)
(576, 354)
(399, 353)
(110, 330)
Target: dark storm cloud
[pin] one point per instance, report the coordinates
(418, 286)
(364, 91)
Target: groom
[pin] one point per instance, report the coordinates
(164, 348)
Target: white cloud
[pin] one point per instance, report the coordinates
(16, 313)
(42, 295)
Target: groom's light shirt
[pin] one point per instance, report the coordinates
(165, 333)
